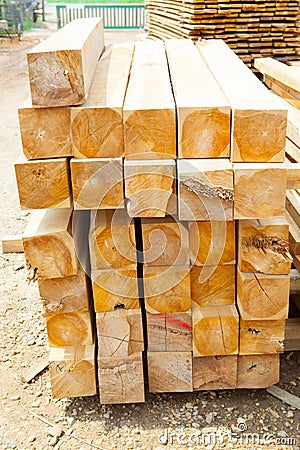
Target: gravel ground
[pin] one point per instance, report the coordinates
(30, 419)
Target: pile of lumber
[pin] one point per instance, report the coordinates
(251, 28)
(283, 80)
(161, 243)
(56, 238)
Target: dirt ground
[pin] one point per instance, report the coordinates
(164, 421)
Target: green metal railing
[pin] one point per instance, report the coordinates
(114, 16)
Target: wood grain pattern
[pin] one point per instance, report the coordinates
(112, 240)
(213, 285)
(97, 183)
(149, 109)
(262, 297)
(68, 294)
(294, 235)
(45, 132)
(202, 109)
(69, 329)
(214, 372)
(72, 371)
(167, 289)
(258, 121)
(120, 333)
(121, 379)
(48, 245)
(263, 246)
(149, 186)
(44, 183)
(259, 191)
(257, 371)
(169, 332)
(115, 288)
(97, 126)
(261, 336)
(205, 189)
(165, 242)
(212, 243)
(283, 73)
(170, 371)
(215, 330)
(61, 67)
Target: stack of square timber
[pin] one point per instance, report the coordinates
(178, 180)
(56, 239)
(251, 28)
(284, 81)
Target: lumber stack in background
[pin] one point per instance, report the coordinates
(250, 29)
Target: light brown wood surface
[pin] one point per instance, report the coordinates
(121, 379)
(215, 330)
(165, 242)
(257, 371)
(97, 125)
(258, 120)
(115, 288)
(69, 329)
(293, 174)
(167, 289)
(112, 240)
(97, 183)
(292, 335)
(214, 372)
(149, 186)
(72, 371)
(259, 191)
(285, 74)
(170, 371)
(120, 332)
(212, 243)
(45, 132)
(149, 109)
(213, 285)
(261, 336)
(203, 112)
(61, 67)
(294, 235)
(288, 94)
(292, 150)
(262, 297)
(169, 332)
(48, 245)
(44, 183)
(68, 294)
(293, 205)
(264, 246)
(12, 244)
(205, 189)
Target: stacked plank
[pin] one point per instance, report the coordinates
(56, 239)
(175, 149)
(259, 196)
(284, 81)
(250, 28)
(117, 307)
